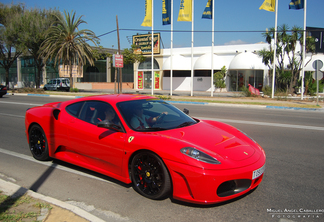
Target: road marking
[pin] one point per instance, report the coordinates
(266, 124)
(26, 104)
(5, 114)
(50, 164)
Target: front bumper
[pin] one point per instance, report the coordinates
(201, 186)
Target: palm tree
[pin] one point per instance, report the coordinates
(66, 44)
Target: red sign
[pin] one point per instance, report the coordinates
(254, 90)
(157, 80)
(118, 61)
(140, 80)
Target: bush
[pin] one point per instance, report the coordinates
(267, 90)
(74, 90)
(164, 97)
(220, 82)
(281, 94)
(219, 78)
(245, 91)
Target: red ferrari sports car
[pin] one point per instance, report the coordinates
(146, 141)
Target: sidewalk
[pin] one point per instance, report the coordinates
(59, 212)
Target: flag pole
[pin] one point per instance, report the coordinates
(152, 49)
(171, 70)
(192, 43)
(275, 51)
(212, 51)
(304, 51)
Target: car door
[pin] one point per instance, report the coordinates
(98, 147)
(49, 85)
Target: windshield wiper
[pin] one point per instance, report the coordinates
(185, 124)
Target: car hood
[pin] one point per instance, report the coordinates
(228, 143)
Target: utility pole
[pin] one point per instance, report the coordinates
(119, 69)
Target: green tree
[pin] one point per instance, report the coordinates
(219, 76)
(11, 46)
(286, 46)
(131, 57)
(34, 24)
(66, 44)
(99, 53)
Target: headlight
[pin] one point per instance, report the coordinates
(199, 155)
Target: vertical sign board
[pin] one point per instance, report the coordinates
(140, 80)
(157, 80)
(118, 61)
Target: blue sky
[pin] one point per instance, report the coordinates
(230, 16)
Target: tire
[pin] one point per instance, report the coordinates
(150, 176)
(38, 143)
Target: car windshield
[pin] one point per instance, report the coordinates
(153, 115)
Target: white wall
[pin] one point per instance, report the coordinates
(183, 83)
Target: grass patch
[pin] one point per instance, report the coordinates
(23, 208)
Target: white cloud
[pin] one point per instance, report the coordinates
(235, 42)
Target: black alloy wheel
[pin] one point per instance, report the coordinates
(149, 175)
(38, 143)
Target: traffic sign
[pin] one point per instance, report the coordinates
(317, 64)
(118, 61)
(319, 75)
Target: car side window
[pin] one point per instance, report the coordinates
(96, 111)
(74, 109)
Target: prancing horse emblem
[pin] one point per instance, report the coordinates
(130, 139)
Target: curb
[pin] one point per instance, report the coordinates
(295, 108)
(11, 188)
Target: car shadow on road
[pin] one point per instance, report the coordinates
(9, 202)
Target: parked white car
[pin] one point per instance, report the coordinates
(58, 84)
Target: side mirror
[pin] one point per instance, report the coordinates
(111, 126)
(186, 111)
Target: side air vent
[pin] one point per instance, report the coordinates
(56, 113)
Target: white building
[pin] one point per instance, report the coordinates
(243, 66)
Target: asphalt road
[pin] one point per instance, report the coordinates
(292, 188)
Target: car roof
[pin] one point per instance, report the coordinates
(114, 98)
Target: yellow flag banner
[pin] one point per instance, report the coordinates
(185, 11)
(268, 5)
(148, 14)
